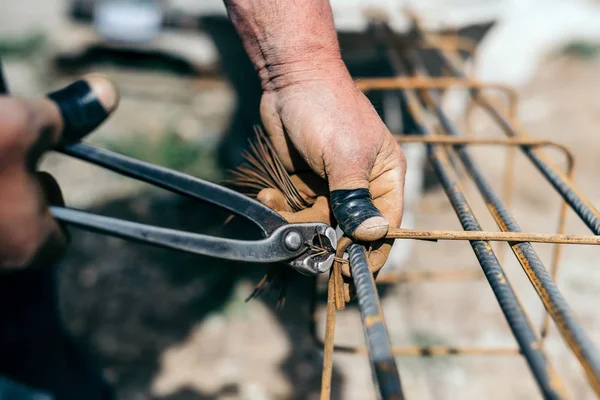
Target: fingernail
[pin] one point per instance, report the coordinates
(357, 215)
(84, 105)
(372, 229)
(106, 91)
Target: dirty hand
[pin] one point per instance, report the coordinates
(318, 120)
(29, 127)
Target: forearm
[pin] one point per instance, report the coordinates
(287, 40)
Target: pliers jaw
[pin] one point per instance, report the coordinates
(321, 244)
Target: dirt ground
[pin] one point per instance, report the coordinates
(170, 326)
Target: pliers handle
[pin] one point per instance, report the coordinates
(308, 247)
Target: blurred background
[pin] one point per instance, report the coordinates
(163, 325)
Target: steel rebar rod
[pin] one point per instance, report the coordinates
(328, 345)
(546, 288)
(548, 381)
(581, 205)
(378, 342)
(505, 236)
(546, 377)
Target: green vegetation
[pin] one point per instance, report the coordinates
(170, 151)
(582, 50)
(23, 47)
(426, 339)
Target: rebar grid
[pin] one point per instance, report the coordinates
(420, 92)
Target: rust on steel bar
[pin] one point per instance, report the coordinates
(513, 141)
(579, 203)
(407, 82)
(546, 288)
(557, 253)
(489, 106)
(547, 379)
(504, 236)
(378, 342)
(328, 345)
(473, 141)
(408, 351)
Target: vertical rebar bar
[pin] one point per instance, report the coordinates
(377, 338)
(548, 381)
(535, 270)
(328, 345)
(582, 206)
(546, 377)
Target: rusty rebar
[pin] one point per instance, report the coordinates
(504, 236)
(328, 345)
(537, 273)
(546, 377)
(548, 381)
(378, 342)
(408, 82)
(578, 202)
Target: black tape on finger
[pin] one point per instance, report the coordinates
(81, 110)
(352, 207)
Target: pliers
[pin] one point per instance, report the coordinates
(309, 248)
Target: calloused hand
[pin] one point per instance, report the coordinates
(320, 123)
(28, 128)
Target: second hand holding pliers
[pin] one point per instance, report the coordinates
(309, 248)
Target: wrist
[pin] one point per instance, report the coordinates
(276, 77)
(287, 42)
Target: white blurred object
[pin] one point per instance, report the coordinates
(351, 15)
(511, 52)
(513, 49)
(136, 21)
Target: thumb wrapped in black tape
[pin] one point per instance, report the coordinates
(354, 209)
(83, 109)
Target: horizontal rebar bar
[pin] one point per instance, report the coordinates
(506, 236)
(431, 351)
(579, 203)
(544, 374)
(546, 377)
(546, 288)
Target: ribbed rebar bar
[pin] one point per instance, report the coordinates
(505, 236)
(378, 341)
(582, 206)
(548, 381)
(546, 377)
(535, 270)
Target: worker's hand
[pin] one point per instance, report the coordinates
(318, 120)
(28, 128)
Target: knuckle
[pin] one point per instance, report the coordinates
(400, 157)
(394, 161)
